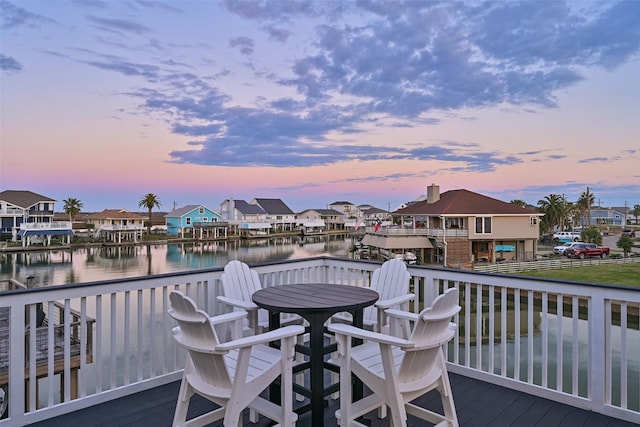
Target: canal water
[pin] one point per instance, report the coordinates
(88, 264)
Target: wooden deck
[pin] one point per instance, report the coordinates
(478, 404)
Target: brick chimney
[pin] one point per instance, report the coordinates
(433, 193)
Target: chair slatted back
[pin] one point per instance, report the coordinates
(239, 282)
(430, 332)
(391, 280)
(198, 336)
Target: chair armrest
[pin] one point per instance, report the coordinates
(228, 317)
(402, 315)
(388, 303)
(245, 305)
(352, 331)
(278, 334)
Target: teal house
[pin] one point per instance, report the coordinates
(194, 220)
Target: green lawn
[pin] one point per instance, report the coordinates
(614, 274)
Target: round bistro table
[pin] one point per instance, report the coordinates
(316, 303)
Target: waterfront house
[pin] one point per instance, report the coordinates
(310, 222)
(334, 220)
(346, 208)
(465, 227)
(279, 215)
(244, 218)
(319, 221)
(28, 217)
(350, 212)
(197, 220)
(117, 225)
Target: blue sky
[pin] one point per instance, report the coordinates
(318, 101)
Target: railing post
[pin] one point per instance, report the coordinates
(17, 362)
(599, 343)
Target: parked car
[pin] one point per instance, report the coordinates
(567, 236)
(629, 232)
(560, 250)
(583, 250)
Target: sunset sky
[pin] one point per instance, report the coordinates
(317, 101)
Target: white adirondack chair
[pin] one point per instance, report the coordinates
(239, 282)
(391, 281)
(234, 373)
(397, 370)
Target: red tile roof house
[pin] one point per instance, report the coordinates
(117, 225)
(465, 227)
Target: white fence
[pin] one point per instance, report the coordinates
(549, 264)
(575, 343)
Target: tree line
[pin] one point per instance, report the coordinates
(561, 214)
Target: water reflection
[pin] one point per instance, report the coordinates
(89, 264)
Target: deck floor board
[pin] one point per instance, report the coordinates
(478, 404)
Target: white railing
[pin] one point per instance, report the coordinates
(408, 231)
(13, 211)
(117, 227)
(509, 333)
(55, 225)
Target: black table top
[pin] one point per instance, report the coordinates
(314, 297)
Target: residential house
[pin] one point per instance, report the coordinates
(351, 215)
(463, 227)
(196, 220)
(117, 225)
(310, 222)
(371, 215)
(320, 221)
(28, 217)
(244, 218)
(614, 216)
(279, 215)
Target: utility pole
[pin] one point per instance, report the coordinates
(588, 207)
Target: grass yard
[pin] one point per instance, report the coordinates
(614, 274)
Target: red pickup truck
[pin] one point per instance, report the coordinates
(583, 250)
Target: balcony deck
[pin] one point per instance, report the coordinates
(478, 403)
(528, 351)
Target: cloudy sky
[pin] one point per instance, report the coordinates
(319, 101)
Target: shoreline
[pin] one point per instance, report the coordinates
(53, 248)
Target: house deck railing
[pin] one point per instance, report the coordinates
(577, 343)
(437, 233)
(55, 225)
(120, 227)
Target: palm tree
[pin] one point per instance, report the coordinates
(585, 201)
(636, 212)
(149, 201)
(72, 207)
(554, 208)
(519, 202)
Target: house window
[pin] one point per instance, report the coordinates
(201, 210)
(205, 219)
(455, 223)
(483, 225)
(534, 221)
(188, 221)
